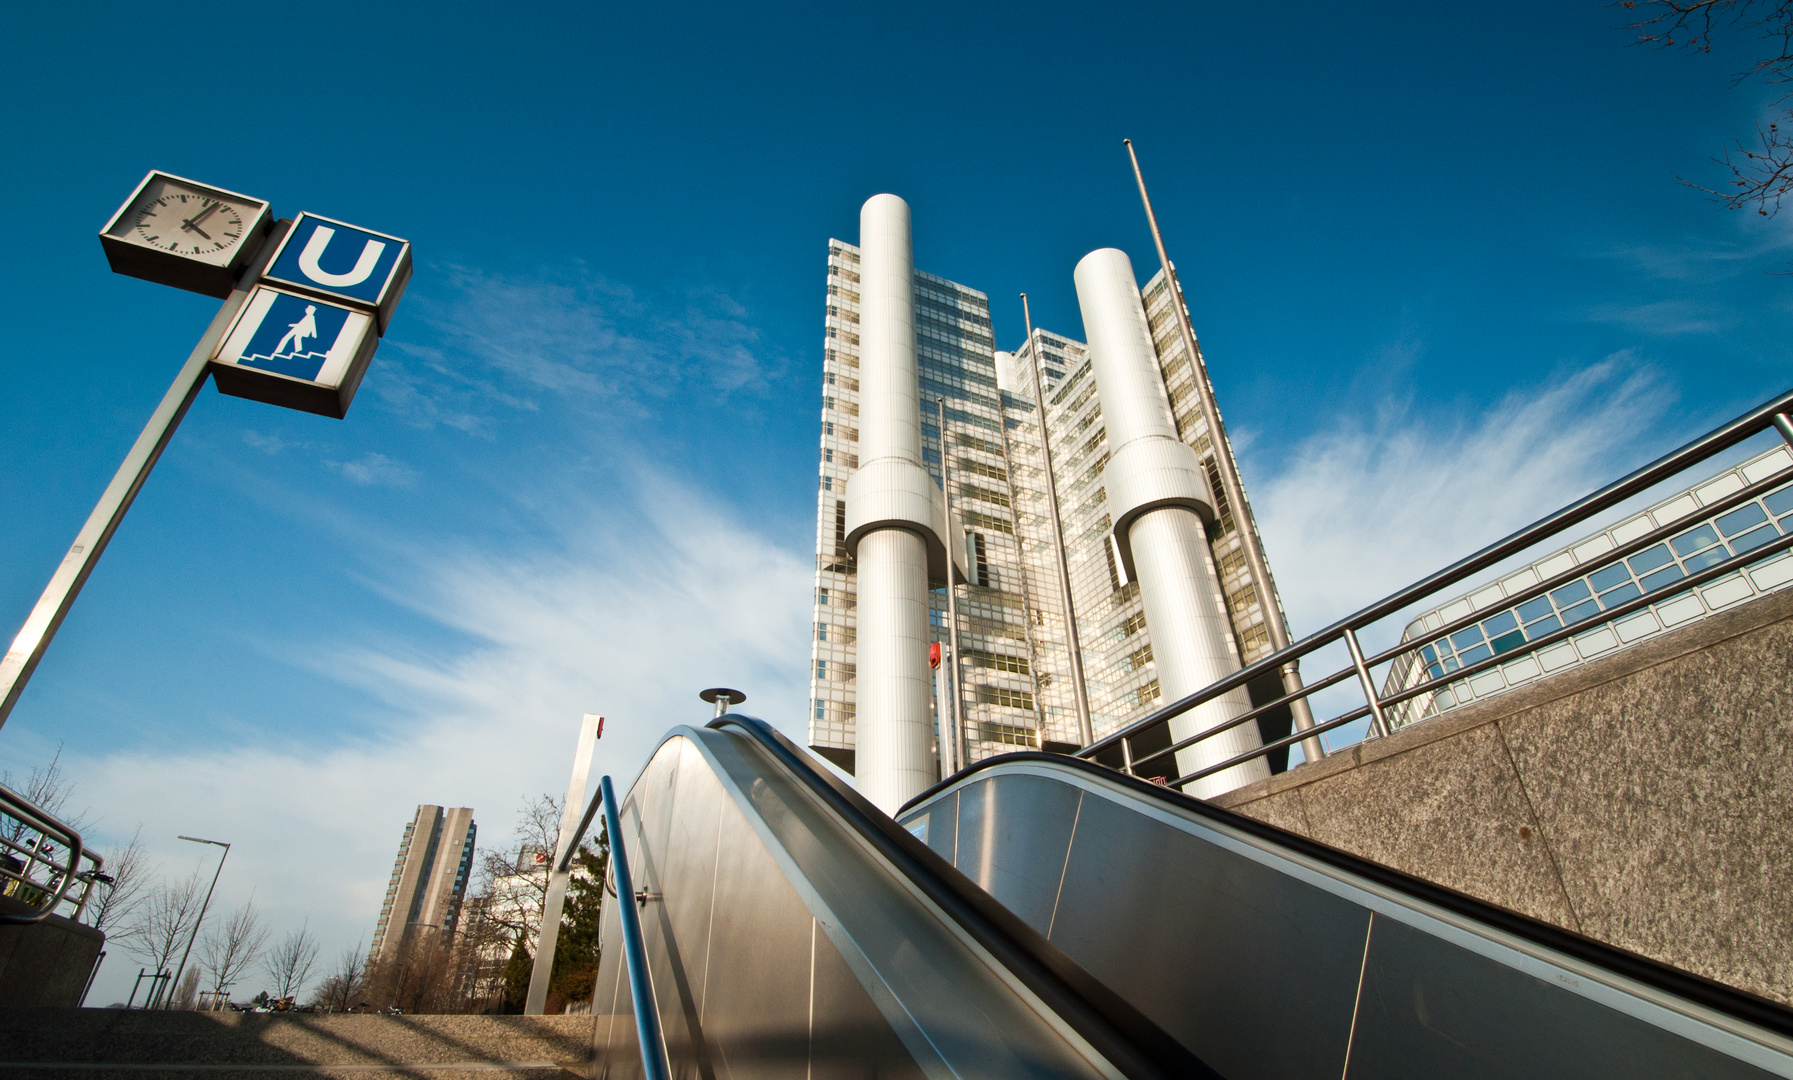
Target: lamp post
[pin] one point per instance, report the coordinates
(178, 972)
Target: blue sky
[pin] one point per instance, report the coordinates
(1442, 271)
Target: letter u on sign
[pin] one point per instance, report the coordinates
(343, 263)
(371, 250)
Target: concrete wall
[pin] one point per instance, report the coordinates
(48, 962)
(1643, 799)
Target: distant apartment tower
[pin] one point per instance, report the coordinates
(429, 879)
(1018, 689)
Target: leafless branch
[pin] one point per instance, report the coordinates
(114, 907)
(232, 949)
(290, 963)
(1760, 178)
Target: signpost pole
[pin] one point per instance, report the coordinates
(40, 626)
(549, 934)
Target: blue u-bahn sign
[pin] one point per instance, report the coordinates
(310, 326)
(343, 262)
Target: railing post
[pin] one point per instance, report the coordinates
(1784, 425)
(641, 984)
(1378, 722)
(1126, 757)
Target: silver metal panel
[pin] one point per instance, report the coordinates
(1430, 1009)
(953, 1010)
(679, 875)
(1252, 970)
(1014, 833)
(1253, 954)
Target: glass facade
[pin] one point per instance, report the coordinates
(1608, 582)
(1018, 691)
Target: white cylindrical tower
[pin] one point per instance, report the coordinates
(1158, 498)
(895, 523)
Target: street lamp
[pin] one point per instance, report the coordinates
(202, 908)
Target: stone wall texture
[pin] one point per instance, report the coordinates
(1644, 799)
(47, 962)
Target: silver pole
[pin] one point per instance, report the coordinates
(1230, 482)
(1080, 696)
(65, 584)
(174, 986)
(956, 697)
(1378, 722)
(548, 934)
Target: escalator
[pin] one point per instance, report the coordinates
(1041, 916)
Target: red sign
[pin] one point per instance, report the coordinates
(934, 655)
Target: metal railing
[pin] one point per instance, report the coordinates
(1773, 415)
(641, 984)
(41, 863)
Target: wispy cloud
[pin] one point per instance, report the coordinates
(574, 336)
(375, 470)
(638, 604)
(1666, 317)
(1361, 509)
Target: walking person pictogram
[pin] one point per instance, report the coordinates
(299, 331)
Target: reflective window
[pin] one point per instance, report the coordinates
(1608, 576)
(1645, 561)
(1704, 559)
(1694, 539)
(1480, 652)
(1507, 642)
(1662, 577)
(1620, 595)
(1500, 624)
(1780, 501)
(1580, 611)
(1534, 609)
(1547, 625)
(1741, 519)
(1466, 637)
(1749, 541)
(1572, 593)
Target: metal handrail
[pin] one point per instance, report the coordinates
(40, 861)
(641, 984)
(1771, 415)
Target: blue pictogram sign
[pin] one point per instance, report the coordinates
(326, 257)
(298, 351)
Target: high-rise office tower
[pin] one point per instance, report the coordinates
(429, 880)
(1032, 502)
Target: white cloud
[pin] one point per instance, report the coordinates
(375, 470)
(571, 335)
(638, 608)
(1362, 509)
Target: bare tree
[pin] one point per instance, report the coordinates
(290, 963)
(232, 948)
(113, 910)
(160, 927)
(1762, 176)
(345, 985)
(522, 878)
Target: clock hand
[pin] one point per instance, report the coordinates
(193, 222)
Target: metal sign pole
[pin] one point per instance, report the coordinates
(549, 934)
(65, 584)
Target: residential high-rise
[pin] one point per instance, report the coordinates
(429, 880)
(1019, 688)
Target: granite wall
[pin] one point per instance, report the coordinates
(47, 962)
(1643, 799)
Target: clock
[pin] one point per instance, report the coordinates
(189, 235)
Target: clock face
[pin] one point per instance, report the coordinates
(188, 223)
(186, 234)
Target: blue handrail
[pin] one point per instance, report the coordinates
(641, 985)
